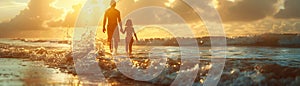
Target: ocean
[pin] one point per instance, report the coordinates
(244, 65)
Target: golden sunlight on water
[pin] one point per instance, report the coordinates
(153, 32)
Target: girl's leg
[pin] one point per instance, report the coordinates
(126, 46)
(130, 45)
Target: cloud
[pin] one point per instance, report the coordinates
(146, 16)
(69, 20)
(247, 10)
(30, 19)
(153, 15)
(12, 2)
(291, 10)
(230, 11)
(94, 11)
(38, 18)
(143, 16)
(11, 8)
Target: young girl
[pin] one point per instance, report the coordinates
(129, 35)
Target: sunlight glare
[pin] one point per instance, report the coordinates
(136, 0)
(214, 3)
(231, 0)
(170, 3)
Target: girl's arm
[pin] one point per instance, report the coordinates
(135, 35)
(123, 31)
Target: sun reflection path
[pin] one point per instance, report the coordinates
(84, 52)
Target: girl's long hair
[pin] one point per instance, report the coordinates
(129, 23)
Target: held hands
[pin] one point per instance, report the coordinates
(104, 30)
(122, 31)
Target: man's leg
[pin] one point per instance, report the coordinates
(116, 46)
(110, 44)
(110, 47)
(116, 39)
(110, 41)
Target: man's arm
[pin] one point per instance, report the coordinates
(120, 21)
(104, 23)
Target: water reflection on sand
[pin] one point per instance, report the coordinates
(18, 72)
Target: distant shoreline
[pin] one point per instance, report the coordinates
(264, 40)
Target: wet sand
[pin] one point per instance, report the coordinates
(20, 72)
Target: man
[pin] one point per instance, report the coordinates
(112, 15)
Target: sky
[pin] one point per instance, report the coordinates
(56, 18)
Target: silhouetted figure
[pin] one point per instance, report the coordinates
(112, 15)
(129, 30)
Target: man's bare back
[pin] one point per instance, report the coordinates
(113, 16)
(112, 19)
